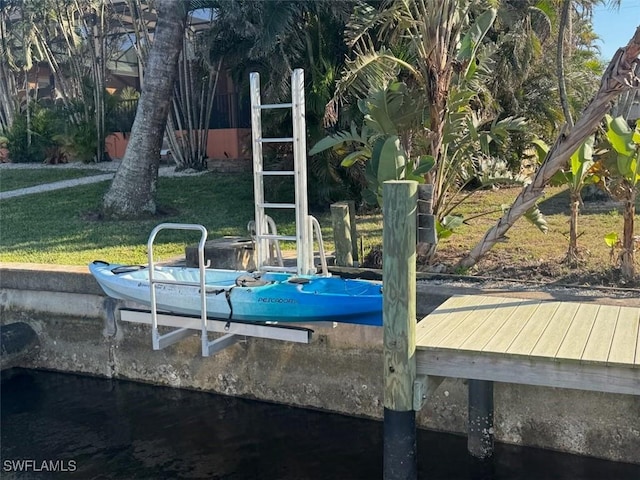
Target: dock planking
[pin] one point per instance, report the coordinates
(560, 344)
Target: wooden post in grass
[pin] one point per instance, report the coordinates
(426, 220)
(342, 234)
(399, 324)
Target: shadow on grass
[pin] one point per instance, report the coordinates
(559, 204)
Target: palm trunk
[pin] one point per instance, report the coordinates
(8, 90)
(627, 257)
(562, 86)
(8, 94)
(132, 192)
(99, 74)
(618, 78)
(27, 96)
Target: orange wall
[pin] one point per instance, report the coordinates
(229, 143)
(116, 145)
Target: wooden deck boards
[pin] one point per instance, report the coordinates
(599, 343)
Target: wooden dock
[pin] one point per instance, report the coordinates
(558, 344)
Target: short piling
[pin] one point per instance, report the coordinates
(342, 234)
(480, 439)
(399, 319)
(427, 233)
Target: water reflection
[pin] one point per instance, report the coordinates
(123, 430)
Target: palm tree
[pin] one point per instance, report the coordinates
(193, 97)
(620, 76)
(132, 192)
(48, 31)
(8, 88)
(433, 47)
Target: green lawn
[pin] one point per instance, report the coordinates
(12, 179)
(61, 227)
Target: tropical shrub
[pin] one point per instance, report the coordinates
(31, 144)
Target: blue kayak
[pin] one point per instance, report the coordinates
(246, 296)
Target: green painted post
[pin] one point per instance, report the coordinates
(399, 320)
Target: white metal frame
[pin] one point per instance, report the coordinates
(185, 324)
(161, 341)
(235, 329)
(304, 225)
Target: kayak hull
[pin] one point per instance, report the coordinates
(244, 296)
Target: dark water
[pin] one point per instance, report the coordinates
(102, 429)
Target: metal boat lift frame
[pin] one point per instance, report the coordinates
(185, 325)
(265, 236)
(306, 225)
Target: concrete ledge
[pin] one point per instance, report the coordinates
(50, 278)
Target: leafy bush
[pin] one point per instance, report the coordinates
(31, 144)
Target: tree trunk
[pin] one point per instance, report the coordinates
(572, 253)
(132, 192)
(627, 257)
(618, 78)
(8, 94)
(562, 86)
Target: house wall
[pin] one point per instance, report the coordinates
(226, 143)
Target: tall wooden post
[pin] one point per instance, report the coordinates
(399, 320)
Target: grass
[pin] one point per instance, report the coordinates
(60, 227)
(12, 179)
(527, 249)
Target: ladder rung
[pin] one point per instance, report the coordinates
(276, 172)
(289, 238)
(277, 205)
(276, 140)
(269, 106)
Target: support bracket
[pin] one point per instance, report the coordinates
(423, 387)
(221, 343)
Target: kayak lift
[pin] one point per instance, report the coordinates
(266, 240)
(185, 325)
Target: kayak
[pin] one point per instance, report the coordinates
(246, 296)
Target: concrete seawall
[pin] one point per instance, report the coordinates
(340, 371)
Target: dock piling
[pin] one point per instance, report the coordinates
(480, 439)
(399, 324)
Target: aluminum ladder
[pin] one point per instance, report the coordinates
(306, 225)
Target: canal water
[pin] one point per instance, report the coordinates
(57, 425)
